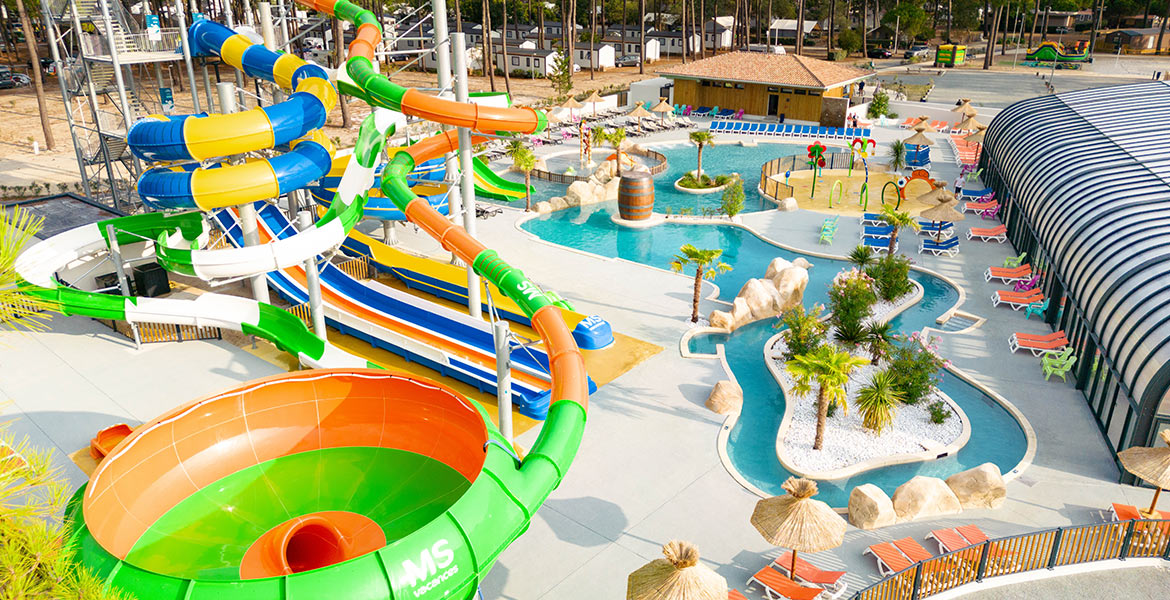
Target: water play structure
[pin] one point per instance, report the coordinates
(1050, 51)
(344, 481)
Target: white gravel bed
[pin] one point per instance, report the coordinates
(846, 441)
(885, 307)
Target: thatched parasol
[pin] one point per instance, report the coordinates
(662, 107)
(923, 125)
(639, 112)
(797, 521)
(965, 108)
(918, 139)
(552, 120)
(1152, 465)
(939, 194)
(679, 576)
(977, 137)
(970, 124)
(943, 212)
(571, 104)
(594, 98)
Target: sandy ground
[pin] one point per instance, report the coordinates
(846, 202)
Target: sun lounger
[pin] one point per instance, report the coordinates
(806, 572)
(735, 595)
(948, 540)
(910, 122)
(937, 229)
(878, 245)
(979, 207)
(1038, 346)
(872, 219)
(1008, 274)
(949, 247)
(889, 558)
(1016, 300)
(973, 193)
(989, 234)
(775, 585)
(882, 232)
(913, 550)
(1125, 512)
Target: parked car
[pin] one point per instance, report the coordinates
(629, 60)
(919, 50)
(6, 80)
(21, 79)
(879, 53)
(1062, 30)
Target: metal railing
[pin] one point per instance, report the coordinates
(165, 332)
(358, 268)
(1116, 540)
(302, 312)
(655, 169)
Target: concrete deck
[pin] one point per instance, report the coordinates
(648, 470)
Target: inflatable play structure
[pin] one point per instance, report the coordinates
(1050, 51)
(342, 481)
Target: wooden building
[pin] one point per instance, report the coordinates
(773, 85)
(1134, 41)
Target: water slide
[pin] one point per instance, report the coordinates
(348, 482)
(1050, 51)
(490, 185)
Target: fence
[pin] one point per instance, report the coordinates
(301, 311)
(165, 332)
(777, 191)
(1026, 552)
(568, 179)
(358, 268)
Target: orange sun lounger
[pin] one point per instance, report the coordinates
(988, 234)
(1008, 274)
(1016, 300)
(735, 595)
(777, 585)
(889, 558)
(1037, 344)
(809, 573)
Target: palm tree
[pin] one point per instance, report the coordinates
(525, 161)
(877, 401)
(17, 309)
(504, 51)
(879, 337)
(799, 27)
(706, 264)
(616, 137)
(30, 39)
(827, 369)
(488, 55)
(862, 256)
(897, 155)
(898, 219)
(700, 139)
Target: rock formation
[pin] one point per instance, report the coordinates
(924, 497)
(781, 289)
(870, 507)
(980, 487)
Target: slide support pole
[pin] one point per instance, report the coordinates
(227, 103)
(503, 377)
(313, 278)
(187, 56)
(269, 34)
(467, 180)
(120, 268)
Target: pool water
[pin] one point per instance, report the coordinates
(995, 435)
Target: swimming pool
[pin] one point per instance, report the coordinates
(996, 436)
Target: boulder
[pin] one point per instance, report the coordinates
(778, 264)
(980, 487)
(542, 207)
(558, 203)
(760, 295)
(606, 169)
(741, 313)
(720, 319)
(541, 164)
(787, 204)
(580, 192)
(611, 189)
(924, 497)
(802, 263)
(870, 507)
(726, 398)
(790, 284)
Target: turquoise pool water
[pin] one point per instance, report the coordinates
(995, 435)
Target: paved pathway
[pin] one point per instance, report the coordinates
(1144, 583)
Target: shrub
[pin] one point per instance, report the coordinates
(850, 334)
(879, 105)
(838, 54)
(721, 179)
(916, 369)
(879, 337)
(878, 400)
(939, 412)
(804, 330)
(862, 256)
(850, 298)
(891, 276)
(849, 40)
(732, 203)
(688, 181)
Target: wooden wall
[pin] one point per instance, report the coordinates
(753, 98)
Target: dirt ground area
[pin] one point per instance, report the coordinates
(846, 201)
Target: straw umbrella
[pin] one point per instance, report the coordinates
(970, 124)
(662, 107)
(594, 98)
(571, 104)
(923, 125)
(918, 139)
(977, 138)
(939, 194)
(943, 212)
(639, 113)
(679, 576)
(964, 108)
(796, 521)
(552, 120)
(1152, 465)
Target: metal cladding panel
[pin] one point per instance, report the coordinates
(1090, 171)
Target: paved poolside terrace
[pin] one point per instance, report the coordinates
(648, 470)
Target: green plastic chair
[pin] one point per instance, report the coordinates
(1060, 369)
(973, 175)
(1014, 261)
(1036, 308)
(1054, 359)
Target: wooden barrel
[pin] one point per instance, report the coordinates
(636, 196)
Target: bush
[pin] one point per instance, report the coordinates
(849, 40)
(850, 334)
(688, 181)
(916, 369)
(804, 330)
(862, 256)
(733, 198)
(878, 401)
(838, 54)
(879, 106)
(721, 179)
(891, 276)
(850, 297)
(939, 412)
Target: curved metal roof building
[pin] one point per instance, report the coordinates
(1084, 178)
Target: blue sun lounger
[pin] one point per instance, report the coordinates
(872, 219)
(944, 229)
(949, 247)
(878, 245)
(880, 232)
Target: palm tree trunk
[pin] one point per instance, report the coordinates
(30, 39)
(698, 291)
(822, 418)
(504, 41)
(488, 50)
(339, 42)
(593, 37)
(799, 27)
(832, 23)
(642, 36)
(699, 170)
(540, 24)
(1162, 30)
(893, 241)
(702, 30)
(864, 27)
(527, 191)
